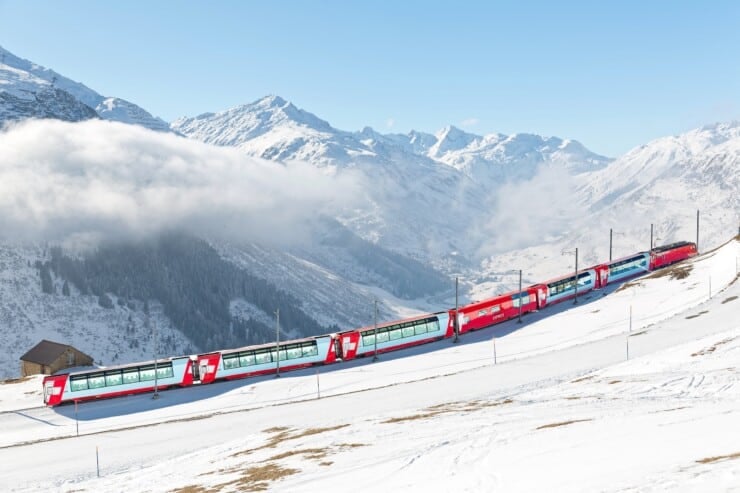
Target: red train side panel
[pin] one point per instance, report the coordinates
(670, 254)
(500, 308)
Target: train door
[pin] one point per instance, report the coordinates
(349, 342)
(48, 390)
(195, 369)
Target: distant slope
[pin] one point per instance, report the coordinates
(28, 90)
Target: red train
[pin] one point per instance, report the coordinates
(264, 359)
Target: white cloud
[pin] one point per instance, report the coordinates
(524, 213)
(390, 122)
(97, 179)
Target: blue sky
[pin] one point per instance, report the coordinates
(612, 75)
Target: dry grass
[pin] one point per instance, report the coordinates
(710, 460)
(452, 407)
(563, 423)
(697, 315)
(282, 434)
(727, 300)
(191, 489)
(677, 271)
(614, 381)
(582, 379)
(713, 348)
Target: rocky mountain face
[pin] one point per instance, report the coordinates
(28, 90)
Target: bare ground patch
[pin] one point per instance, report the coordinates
(642, 332)
(563, 423)
(447, 408)
(713, 348)
(727, 300)
(582, 379)
(697, 315)
(677, 271)
(282, 434)
(614, 381)
(718, 458)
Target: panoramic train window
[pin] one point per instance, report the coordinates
(131, 376)
(263, 356)
(78, 383)
(146, 373)
(96, 381)
(311, 349)
(165, 371)
(245, 359)
(113, 378)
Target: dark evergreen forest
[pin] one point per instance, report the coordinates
(191, 280)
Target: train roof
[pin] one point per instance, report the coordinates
(671, 246)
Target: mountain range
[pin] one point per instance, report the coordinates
(432, 207)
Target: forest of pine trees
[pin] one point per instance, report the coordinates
(194, 284)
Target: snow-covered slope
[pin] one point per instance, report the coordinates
(28, 90)
(586, 397)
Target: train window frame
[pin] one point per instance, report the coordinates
(165, 371)
(245, 358)
(96, 381)
(146, 373)
(130, 371)
(263, 357)
(75, 383)
(395, 334)
(113, 377)
(309, 350)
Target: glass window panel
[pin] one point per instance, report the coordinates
(311, 350)
(294, 352)
(408, 331)
(146, 373)
(165, 372)
(231, 361)
(246, 359)
(420, 329)
(262, 357)
(368, 340)
(113, 378)
(395, 334)
(130, 376)
(383, 336)
(78, 383)
(96, 381)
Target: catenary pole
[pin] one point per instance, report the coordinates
(156, 393)
(610, 244)
(456, 321)
(375, 331)
(576, 278)
(520, 297)
(277, 338)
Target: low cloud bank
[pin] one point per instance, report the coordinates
(95, 180)
(528, 212)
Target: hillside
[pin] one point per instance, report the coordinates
(568, 393)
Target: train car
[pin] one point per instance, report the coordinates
(666, 255)
(396, 335)
(626, 267)
(563, 288)
(102, 383)
(500, 308)
(263, 359)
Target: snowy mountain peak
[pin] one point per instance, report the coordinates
(28, 90)
(451, 138)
